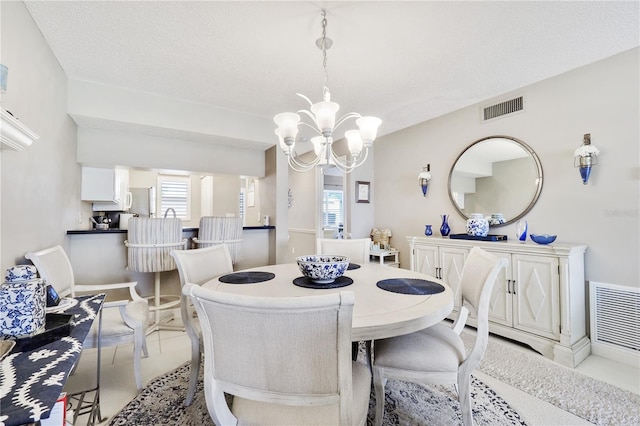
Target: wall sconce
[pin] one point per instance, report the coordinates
(424, 178)
(586, 156)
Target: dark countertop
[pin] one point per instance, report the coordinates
(124, 231)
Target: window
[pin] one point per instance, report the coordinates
(242, 203)
(332, 208)
(175, 193)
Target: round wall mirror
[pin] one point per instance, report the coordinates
(496, 175)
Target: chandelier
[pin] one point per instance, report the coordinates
(323, 117)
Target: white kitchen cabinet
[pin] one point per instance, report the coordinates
(539, 299)
(107, 188)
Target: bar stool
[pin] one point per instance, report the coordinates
(149, 244)
(221, 230)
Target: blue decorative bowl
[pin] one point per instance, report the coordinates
(322, 268)
(543, 238)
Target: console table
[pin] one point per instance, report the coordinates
(31, 381)
(539, 299)
(383, 254)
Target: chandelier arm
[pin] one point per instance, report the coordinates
(305, 98)
(303, 166)
(345, 118)
(298, 168)
(310, 126)
(344, 166)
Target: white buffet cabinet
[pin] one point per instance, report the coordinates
(538, 300)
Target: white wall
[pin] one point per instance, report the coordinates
(40, 185)
(602, 99)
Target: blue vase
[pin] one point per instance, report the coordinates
(521, 230)
(444, 228)
(428, 231)
(477, 225)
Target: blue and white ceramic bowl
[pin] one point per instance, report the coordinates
(322, 268)
(22, 308)
(543, 238)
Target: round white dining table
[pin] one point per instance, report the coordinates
(377, 313)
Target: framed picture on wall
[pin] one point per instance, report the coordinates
(362, 191)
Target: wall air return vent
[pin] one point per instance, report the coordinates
(615, 321)
(503, 108)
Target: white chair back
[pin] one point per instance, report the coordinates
(288, 351)
(150, 241)
(221, 230)
(356, 250)
(198, 266)
(55, 268)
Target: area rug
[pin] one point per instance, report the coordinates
(162, 403)
(593, 400)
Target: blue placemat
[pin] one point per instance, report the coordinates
(352, 266)
(249, 277)
(410, 286)
(307, 283)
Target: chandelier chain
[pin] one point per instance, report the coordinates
(323, 122)
(324, 48)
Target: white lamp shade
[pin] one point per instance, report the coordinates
(286, 148)
(287, 125)
(325, 114)
(354, 141)
(368, 128)
(424, 175)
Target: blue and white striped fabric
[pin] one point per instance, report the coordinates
(221, 230)
(150, 241)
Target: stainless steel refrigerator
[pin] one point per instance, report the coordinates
(143, 201)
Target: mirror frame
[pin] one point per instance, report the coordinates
(539, 179)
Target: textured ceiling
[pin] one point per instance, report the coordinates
(404, 62)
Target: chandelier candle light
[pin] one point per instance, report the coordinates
(586, 155)
(323, 115)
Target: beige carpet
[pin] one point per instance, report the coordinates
(587, 398)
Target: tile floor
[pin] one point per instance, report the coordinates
(170, 349)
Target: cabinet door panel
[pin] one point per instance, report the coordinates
(501, 302)
(451, 264)
(425, 260)
(536, 297)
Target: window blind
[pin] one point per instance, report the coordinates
(175, 194)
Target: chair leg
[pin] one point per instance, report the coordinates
(369, 353)
(464, 396)
(138, 346)
(194, 371)
(144, 346)
(378, 386)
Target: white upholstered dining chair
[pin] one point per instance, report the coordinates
(198, 266)
(437, 354)
(286, 361)
(357, 250)
(127, 324)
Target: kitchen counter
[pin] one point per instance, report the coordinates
(124, 231)
(87, 245)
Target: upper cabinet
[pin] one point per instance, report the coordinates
(13, 134)
(107, 188)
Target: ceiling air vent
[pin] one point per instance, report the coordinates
(503, 108)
